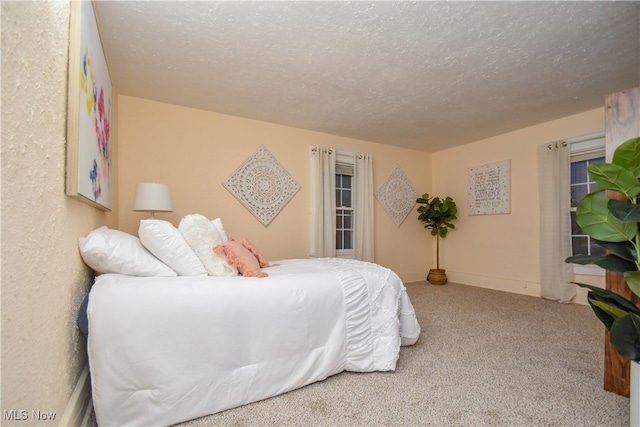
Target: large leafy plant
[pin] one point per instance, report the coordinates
(613, 224)
(437, 215)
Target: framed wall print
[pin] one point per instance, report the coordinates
(489, 188)
(89, 161)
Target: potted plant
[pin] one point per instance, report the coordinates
(614, 225)
(436, 214)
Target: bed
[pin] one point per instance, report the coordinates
(167, 349)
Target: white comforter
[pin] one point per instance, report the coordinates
(166, 350)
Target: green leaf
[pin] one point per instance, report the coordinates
(627, 155)
(437, 214)
(596, 220)
(633, 281)
(624, 211)
(624, 335)
(615, 177)
(606, 319)
(610, 297)
(614, 312)
(624, 249)
(609, 262)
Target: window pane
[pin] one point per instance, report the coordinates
(581, 185)
(344, 217)
(346, 198)
(347, 220)
(575, 228)
(580, 245)
(347, 239)
(596, 249)
(577, 193)
(579, 171)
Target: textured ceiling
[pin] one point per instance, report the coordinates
(425, 75)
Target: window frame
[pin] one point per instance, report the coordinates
(345, 165)
(586, 147)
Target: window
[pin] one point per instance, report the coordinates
(342, 196)
(584, 152)
(344, 207)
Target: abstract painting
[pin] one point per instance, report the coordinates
(89, 146)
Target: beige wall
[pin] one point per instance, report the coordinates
(43, 276)
(502, 251)
(194, 151)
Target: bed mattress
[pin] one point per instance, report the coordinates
(166, 350)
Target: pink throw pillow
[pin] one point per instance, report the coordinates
(240, 257)
(261, 259)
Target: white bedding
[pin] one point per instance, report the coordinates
(166, 350)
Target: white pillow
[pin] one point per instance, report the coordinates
(166, 242)
(202, 236)
(218, 224)
(113, 251)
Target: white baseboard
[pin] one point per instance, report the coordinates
(79, 406)
(508, 285)
(499, 284)
(413, 276)
(581, 296)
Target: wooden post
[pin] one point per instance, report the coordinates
(622, 122)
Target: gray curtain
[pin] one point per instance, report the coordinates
(323, 202)
(554, 163)
(363, 207)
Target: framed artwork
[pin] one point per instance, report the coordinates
(262, 185)
(397, 196)
(489, 188)
(89, 161)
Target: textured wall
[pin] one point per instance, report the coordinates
(43, 276)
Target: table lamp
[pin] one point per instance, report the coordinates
(152, 197)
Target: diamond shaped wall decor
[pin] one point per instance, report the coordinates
(397, 196)
(262, 185)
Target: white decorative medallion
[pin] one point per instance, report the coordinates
(397, 196)
(262, 185)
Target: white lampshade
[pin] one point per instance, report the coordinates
(152, 197)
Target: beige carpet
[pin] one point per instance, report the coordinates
(485, 358)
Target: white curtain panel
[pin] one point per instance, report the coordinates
(363, 206)
(554, 163)
(323, 202)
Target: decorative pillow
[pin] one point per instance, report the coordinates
(113, 251)
(202, 236)
(261, 259)
(218, 224)
(240, 258)
(166, 242)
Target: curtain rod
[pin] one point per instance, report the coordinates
(324, 150)
(329, 150)
(577, 139)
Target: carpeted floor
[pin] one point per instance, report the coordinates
(485, 358)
